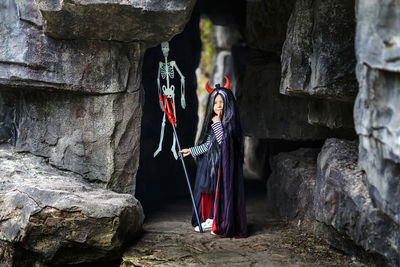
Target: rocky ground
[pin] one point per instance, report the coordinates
(169, 240)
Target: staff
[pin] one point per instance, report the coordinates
(171, 118)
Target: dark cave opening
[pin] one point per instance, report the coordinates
(160, 180)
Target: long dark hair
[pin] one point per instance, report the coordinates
(231, 126)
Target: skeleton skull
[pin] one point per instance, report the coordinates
(165, 48)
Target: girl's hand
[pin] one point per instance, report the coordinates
(217, 117)
(185, 152)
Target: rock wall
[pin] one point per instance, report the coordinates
(94, 132)
(88, 132)
(71, 92)
(266, 112)
(330, 195)
(376, 109)
(357, 206)
(29, 58)
(318, 60)
(95, 136)
(345, 207)
(318, 54)
(129, 21)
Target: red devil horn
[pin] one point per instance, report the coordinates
(208, 88)
(228, 83)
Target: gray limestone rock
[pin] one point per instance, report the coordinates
(225, 37)
(318, 54)
(28, 58)
(290, 187)
(76, 102)
(377, 123)
(376, 111)
(120, 20)
(377, 36)
(342, 202)
(309, 58)
(94, 136)
(58, 217)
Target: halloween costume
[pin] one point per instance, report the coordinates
(218, 190)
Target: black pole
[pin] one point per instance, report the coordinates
(187, 180)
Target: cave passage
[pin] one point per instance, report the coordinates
(212, 44)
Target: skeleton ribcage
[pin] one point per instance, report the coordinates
(164, 71)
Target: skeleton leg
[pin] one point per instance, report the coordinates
(173, 149)
(161, 137)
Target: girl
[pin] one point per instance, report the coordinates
(218, 190)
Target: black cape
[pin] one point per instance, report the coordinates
(227, 189)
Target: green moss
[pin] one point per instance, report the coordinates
(208, 49)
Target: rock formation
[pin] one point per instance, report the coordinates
(268, 113)
(354, 204)
(333, 192)
(73, 79)
(376, 109)
(58, 216)
(87, 132)
(345, 207)
(318, 54)
(129, 21)
(71, 93)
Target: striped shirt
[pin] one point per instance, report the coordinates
(201, 149)
(218, 131)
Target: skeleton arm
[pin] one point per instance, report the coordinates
(158, 82)
(183, 101)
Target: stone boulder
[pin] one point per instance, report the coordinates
(376, 111)
(28, 58)
(318, 54)
(57, 218)
(127, 21)
(344, 206)
(290, 187)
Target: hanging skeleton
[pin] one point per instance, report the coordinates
(167, 92)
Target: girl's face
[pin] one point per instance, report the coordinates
(218, 104)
